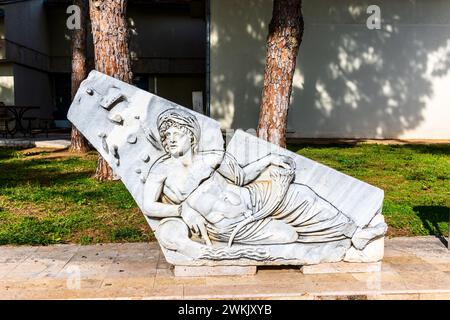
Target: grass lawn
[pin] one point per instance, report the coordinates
(48, 197)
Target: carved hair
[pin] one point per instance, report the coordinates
(183, 120)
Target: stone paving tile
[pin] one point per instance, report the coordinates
(441, 254)
(434, 296)
(34, 284)
(163, 269)
(28, 270)
(20, 294)
(387, 276)
(86, 269)
(164, 273)
(135, 255)
(129, 282)
(338, 278)
(239, 291)
(119, 293)
(426, 280)
(388, 268)
(162, 263)
(53, 289)
(442, 266)
(55, 294)
(166, 292)
(105, 252)
(391, 252)
(326, 287)
(259, 279)
(139, 271)
(92, 263)
(129, 269)
(173, 281)
(138, 246)
(44, 262)
(414, 267)
(393, 296)
(6, 268)
(91, 283)
(405, 259)
(15, 254)
(136, 251)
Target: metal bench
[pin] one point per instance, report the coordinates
(44, 125)
(29, 125)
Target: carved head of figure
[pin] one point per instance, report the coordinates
(179, 132)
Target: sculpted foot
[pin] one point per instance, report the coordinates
(363, 236)
(173, 234)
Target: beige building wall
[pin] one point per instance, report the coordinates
(6, 84)
(350, 81)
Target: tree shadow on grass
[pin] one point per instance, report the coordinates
(431, 217)
(434, 149)
(295, 147)
(15, 174)
(69, 180)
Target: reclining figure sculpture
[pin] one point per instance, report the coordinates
(251, 203)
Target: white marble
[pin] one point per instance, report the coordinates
(250, 204)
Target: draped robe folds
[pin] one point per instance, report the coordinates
(314, 219)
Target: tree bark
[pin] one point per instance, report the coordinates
(78, 143)
(112, 57)
(283, 42)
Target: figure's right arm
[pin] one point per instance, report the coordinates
(152, 193)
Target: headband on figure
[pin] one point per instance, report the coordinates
(181, 119)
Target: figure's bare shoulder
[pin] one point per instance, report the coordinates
(159, 171)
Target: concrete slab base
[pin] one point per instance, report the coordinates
(341, 267)
(206, 271)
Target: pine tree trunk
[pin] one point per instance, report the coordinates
(78, 143)
(283, 42)
(112, 57)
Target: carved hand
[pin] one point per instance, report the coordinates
(282, 161)
(195, 222)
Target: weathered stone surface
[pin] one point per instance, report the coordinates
(205, 271)
(252, 203)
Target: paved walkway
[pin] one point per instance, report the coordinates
(413, 268)
(56, 141)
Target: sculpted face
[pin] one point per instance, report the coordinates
(178, 142)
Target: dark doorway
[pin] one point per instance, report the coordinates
(141, 81)
(62, 95)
